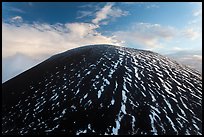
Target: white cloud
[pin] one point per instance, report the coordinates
(146, 35)
(157, 36)
(190, 33)
(188, 57)
(193, 22)
(147, 5)
(16, 10)
(17, 19)
(83, 14)
(177, 48)
(102, 14)
(116, 12)
(197, 12)
(91, 5)
(108, 12)
(198, 57)
(16, 64)
(196, 3)
(40, 41)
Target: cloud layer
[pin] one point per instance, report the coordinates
(16, 64)
(37, 39)
(108, 12)
(152, 36)
(40, 41)
(189, 58)
(33, 43)
(146, 34)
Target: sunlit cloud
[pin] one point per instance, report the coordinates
(191, 34)
(16, 64)
(36, 39)
(190, 58)
(16, 10)
(40, 41)
(154, 36)
(197, 12)
(146, 35)
(83, 14)
(16, 19)
(108, 12)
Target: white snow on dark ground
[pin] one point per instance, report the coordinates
(137, 86)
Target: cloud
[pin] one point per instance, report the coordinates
(146, 5)
(176, 49)
(198, 57)
(195, 21)
(190, 58)
(83, 14)
(16, 10)
(37, 39)
(156, 36)
(196, 3)
(90, 10)
(91, 5)
(102, 14)
(197, 12)
(16, 64)
(108, 12)
(40, 41)
(17, 19)
(146, 35)
(190, 33)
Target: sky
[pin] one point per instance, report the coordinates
(34, 31)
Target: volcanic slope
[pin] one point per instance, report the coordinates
(104, 89)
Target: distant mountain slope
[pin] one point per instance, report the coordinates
(104, 89)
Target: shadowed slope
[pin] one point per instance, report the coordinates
(104, 89)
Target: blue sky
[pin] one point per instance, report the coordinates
(32, 32)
